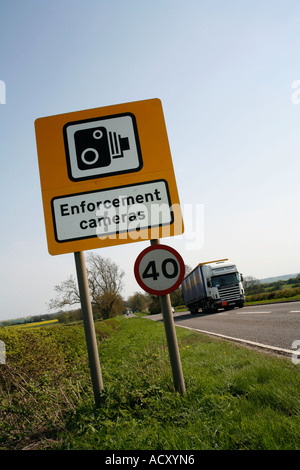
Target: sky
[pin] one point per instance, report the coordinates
(228, 76)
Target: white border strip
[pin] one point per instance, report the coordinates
(239, 340)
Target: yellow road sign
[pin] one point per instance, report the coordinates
(107, 177)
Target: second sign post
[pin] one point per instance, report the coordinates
(159, 270)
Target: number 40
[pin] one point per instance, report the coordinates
(169, 269)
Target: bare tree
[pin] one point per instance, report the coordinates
(105, 284)
(67, 294)
(252, 285)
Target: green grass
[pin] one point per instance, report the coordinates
(272, 301)
(275, 296)
(236, 398)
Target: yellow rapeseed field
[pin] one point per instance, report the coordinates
(34, 324)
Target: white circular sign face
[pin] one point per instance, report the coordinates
(159, 269)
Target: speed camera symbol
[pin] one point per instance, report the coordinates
(102, 147)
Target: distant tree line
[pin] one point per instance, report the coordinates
(105, 284)
(257, 291)
(139, 302)
(254, 286)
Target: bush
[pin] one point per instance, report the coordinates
(278, 294)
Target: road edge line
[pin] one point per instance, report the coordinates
(244, 341)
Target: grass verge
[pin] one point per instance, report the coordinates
(236, 398)
(45, 377)
(273, 301)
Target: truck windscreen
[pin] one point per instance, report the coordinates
(225, 279)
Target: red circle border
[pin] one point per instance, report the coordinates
(154, 291)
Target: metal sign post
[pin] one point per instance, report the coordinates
(89, 326)
(166, 309)
(169, 325)
(159, 270)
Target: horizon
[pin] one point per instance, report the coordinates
(71, 309)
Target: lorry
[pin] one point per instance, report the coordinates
(213, 285)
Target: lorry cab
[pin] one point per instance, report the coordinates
(224, 284)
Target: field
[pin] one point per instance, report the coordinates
(236, 398)
(37, 324)
(278, 291)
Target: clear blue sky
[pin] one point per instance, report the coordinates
(224, 73)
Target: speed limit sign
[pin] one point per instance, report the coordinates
(159, 269)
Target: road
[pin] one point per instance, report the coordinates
(271, 326)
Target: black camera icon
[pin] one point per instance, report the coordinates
(95, 148)
(101, 147)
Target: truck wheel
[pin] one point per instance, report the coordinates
(208, 307)
(212, 308)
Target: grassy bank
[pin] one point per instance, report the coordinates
(46, 377)
(236, 398)
(296, 298)
(282, 295)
